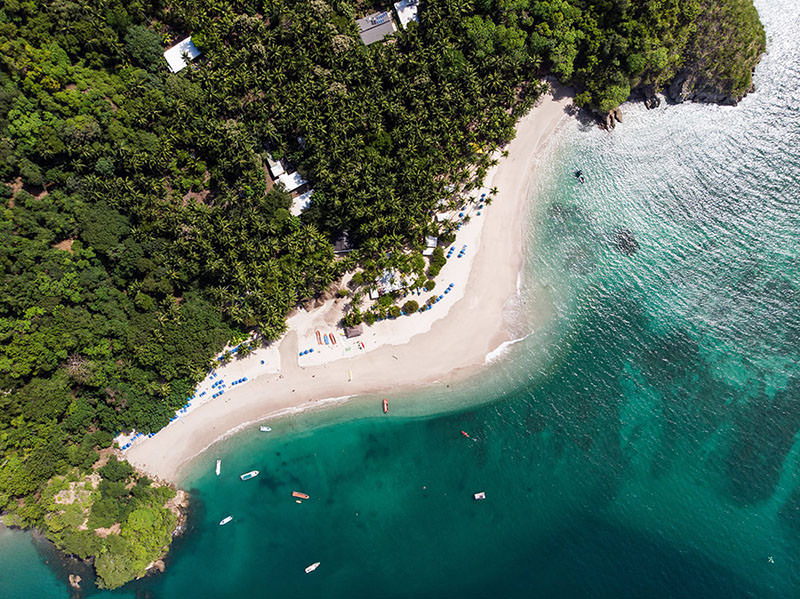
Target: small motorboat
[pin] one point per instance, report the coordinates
(219, 465)
(225, 520)
(300, 495)
(312, 567)
(319, 338)
(385, 405)
(249, 475)
(479, 496)
(264, 429)
(579, 176)
(465, 434)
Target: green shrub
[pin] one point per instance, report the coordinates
(115, 470)
(385, 300)
(437, 261)
(143, 46)
(448, 238)
(394, 311)
(429, 285)
(410, 307)
(353, 318)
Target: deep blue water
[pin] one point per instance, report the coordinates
(643, 442)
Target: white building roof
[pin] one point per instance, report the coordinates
(430, 244)
(275, 167)
(407, 11)
(292, 181)
(175, 54)
(301, 202)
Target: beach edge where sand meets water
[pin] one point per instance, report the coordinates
(416, 352)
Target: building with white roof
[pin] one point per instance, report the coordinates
(176, 56)
(430, 244)
(275, 167)
(292, 181)
(407, 11)
(301, 202)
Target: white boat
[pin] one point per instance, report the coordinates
(219, 464)
(479, 496)
(264, 429)
(225, 520)
(312, 567)
(249, 475)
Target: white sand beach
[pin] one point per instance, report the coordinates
(450, 341)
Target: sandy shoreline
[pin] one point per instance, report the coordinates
(451, 343)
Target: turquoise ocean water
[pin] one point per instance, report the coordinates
(644, 443)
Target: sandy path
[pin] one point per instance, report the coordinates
(454, 345)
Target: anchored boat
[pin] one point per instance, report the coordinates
(225, 520)
(312, 567)
(299, 495)
(219, 464)
(385, 406)
(264, 429)
(249, 475)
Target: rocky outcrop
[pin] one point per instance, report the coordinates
(721, 56)
(612, 118)
(647, 94)
(156, 566)
(689, 86)
(75, 581)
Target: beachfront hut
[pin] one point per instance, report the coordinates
(407, 11)
(351, 332)
(430, 244)
(301, 202)
(292, 181)
(389, 281)
(373, 28)
(176, 55)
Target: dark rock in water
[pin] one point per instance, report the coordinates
(689, 86)
(652, 102)
(626, 242)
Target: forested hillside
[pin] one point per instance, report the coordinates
(139, 232)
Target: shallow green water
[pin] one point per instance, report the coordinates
(644, 445)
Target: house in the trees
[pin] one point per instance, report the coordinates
(373, 28)
(177, 55)
(292, 181)
(431, 242)
(301, 202)
(406, 11)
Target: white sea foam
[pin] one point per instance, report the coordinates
(502, 348)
